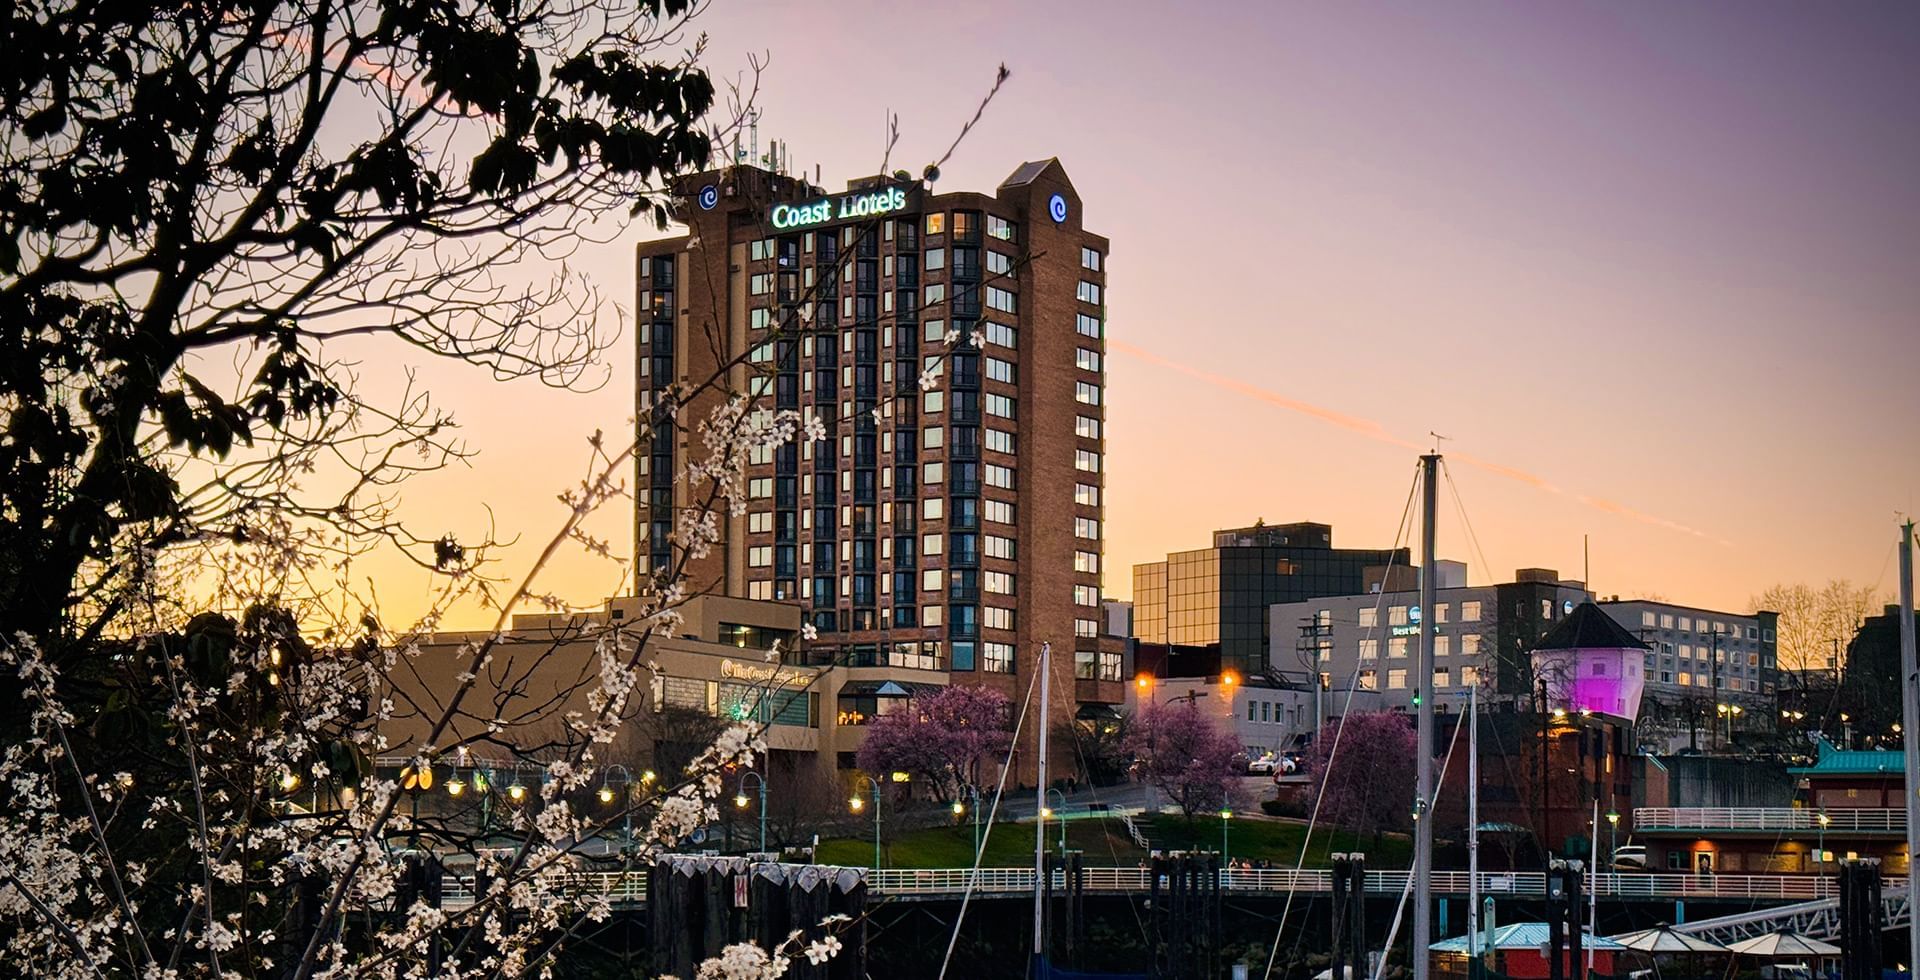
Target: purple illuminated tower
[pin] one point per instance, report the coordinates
(1590, 663)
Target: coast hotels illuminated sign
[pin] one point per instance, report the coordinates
(843, 208)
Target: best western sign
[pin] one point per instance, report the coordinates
(843, 207)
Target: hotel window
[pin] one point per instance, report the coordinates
(1086, 360)
(999, 263)
(1441, 645)
(1397, 647)
(1089, 292)
(1369, 680)
(998, 583)
(762, 589)
(1396, 615)
(999, 511)
(1086, 627)
(1086, 394)
(1250, 707)
(998, 618)
(1686, 679)
(1089, 326)
(937, 223)
(1001, 334)
(1089, 259)
(1439, 612)
(1369, 617)
(1470, 645)
(758, 522)
(933, 401)
(930, 582)
(936, 260)
(1086, 495)
(933, 508)
(1369, 649)
(1086, 595)
(761, 319)
(1646, 618)
(1666, 621)
(760, 557)
(1086, 561)
(760, 249)
(1086, 527)
(997, 658)
(1086, 427)
(932, 437)
(1469, 676)
(1397, 679)
(931, 544)
(1001, 228)
(1000, 442)
(933, 331)
(760, 284)
(933, 615)
(1470, 611)
(999, 370)
(999, 406)
(1000, 476)
(760, 487)
(999, 547)
(933, 473)
(1442, 678)
(1686, 624)
(936, 293)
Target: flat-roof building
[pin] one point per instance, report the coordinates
(953, 347)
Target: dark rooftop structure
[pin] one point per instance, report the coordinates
(1588, 627)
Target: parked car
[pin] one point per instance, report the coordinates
(1630, 857)
(1262, 766)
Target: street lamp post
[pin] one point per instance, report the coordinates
(607, 796)
(959, 808)
(856, 804)
(1062, 815)
(1820, 843)
(1225, 815)
(740, 801)
(1613, 836)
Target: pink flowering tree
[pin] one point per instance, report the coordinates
(1365, 785)
(943, 739)
(1188, 755)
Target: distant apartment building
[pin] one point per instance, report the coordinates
(1365, 642)
(951, 528)
(1208, 607)
(1705, 657)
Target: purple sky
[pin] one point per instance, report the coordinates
(1661, 258)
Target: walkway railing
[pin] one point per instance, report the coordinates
(1767, 818)
(625, 887)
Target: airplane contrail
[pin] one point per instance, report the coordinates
(1378, 433)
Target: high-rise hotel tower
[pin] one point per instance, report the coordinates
(953, 527)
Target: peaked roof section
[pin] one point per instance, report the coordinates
(1521, 935)
(1852, 762)
(1029, 172)
(1589, 628)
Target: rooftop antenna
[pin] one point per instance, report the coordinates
(1586, 562)
(753, 135)
(1437, 440)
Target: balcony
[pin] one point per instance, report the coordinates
(1768, 820)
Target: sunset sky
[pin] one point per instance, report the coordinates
(1652, 269)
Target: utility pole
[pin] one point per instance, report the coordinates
(1910, 724)
(1040, 824)
(1473, 824)
(1423, 727)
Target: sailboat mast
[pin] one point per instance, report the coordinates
(1473, 821)
(1910, 722)
(1040, 809)
(1423, 694)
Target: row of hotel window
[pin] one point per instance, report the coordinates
(935, 509)
(1401, 615)
(1705, 678)
(1402, 646)
(1369, 680)
(931, 545)
(1688, 624)
(1705, 654)
(933, 473)
(931, 331)
(931, 580)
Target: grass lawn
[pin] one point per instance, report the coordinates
(1009, 846)
(1273, 840)
(1106, 844)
